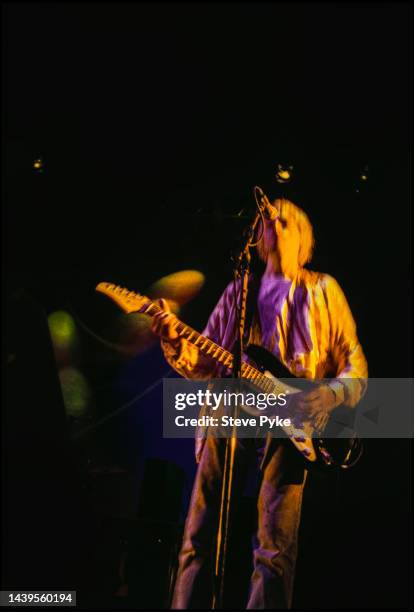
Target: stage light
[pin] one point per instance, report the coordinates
(362, 179)
(364, 174)
(284, 173)
(75, 391)
(179, 287)
(38, 165)
(62, 329)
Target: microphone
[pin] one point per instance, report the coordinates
(269, 211)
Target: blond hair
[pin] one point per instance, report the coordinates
(290, 211)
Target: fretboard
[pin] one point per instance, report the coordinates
(210, 349)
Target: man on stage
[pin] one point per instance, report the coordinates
(303, 318)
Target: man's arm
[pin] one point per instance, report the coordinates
(186, 358)
(346, 351)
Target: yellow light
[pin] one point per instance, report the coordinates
(38, 165)
(364, 177)
(284, 174)
(75, 391)
(178, 288)
(62, 329)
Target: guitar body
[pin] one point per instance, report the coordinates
(323, 453)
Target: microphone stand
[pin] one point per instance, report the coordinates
(241, 273)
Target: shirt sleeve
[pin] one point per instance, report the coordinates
(187, 360)
(346, 351)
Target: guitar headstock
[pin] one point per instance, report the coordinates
(127, 300)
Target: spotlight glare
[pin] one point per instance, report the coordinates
(62, 329)
(38, 165)
(76, 392)
(284, 173)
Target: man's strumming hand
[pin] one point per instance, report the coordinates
(317, 405)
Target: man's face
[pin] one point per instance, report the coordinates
(281, 243)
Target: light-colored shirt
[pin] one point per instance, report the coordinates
(306, 323)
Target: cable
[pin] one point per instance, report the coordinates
(121, 409)
(116, 347)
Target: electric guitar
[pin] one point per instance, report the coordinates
(325, 452)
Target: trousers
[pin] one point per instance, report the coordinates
(282, 477)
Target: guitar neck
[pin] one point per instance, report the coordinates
(130, 302)
(210, 349)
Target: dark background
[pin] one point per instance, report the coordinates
(154, 122)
